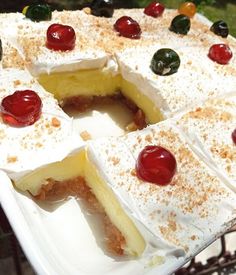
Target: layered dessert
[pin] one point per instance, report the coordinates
(104, 62)
(172, 202)
(174, 199)
(197, 79)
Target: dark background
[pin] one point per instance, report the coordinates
(213, 9)
(17, 5)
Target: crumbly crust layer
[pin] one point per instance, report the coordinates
(53, 191)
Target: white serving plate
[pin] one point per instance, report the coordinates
(60, 238)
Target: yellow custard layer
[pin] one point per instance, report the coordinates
(98, 82)
(79, 165)
(68, 168)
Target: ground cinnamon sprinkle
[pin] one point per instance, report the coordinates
(85, 135)
(56, 122)
(12, 159)
(54, 190)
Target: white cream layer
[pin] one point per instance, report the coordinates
(210, 129)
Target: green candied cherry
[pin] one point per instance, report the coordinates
(220, 28)
(180, 24)
(165, 62)
(38, 12)
(102, 8)
(0, 49)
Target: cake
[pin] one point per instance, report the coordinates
(182, 215)
(117, 64)
(141, 218)
(50, 139)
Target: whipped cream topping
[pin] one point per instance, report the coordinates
(11, 56)
(99, 46)
(29, 38)
(185, 215)
(49, 139)
(210, 128)
(156, 30)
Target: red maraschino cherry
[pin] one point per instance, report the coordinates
(234, 136)
(156, 164)
(21, 108)
(60, 37)
(128, 27)
(154, 9)
(220, 53)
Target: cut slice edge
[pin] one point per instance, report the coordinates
(99, 83)
(135, 243)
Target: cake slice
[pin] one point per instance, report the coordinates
(180, 217)
(210, 128)
(72, 70)
(49, 139)
(197, 79)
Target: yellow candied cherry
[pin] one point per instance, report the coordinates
(187, 8)
(25, 10)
